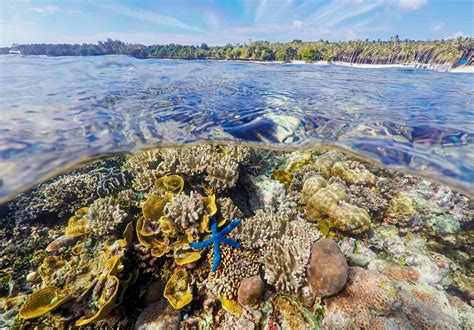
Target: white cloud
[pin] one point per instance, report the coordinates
(411, 4)
(437, 26)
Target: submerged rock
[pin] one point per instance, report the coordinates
(158, 316)
(251, 290)
(327, 268)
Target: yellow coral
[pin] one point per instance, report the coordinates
(231, 306)
(168, 227)
(154, 206)
(283, 176)
(305, 160)
(210, 207)
(171, 183)
(49, 267)
(77, 226)
(185, 255)
(158, 243)
(41, 302)
(106, 302)
(178, 289)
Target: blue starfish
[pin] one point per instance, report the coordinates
(216, 239)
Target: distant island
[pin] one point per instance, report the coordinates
(455, 52)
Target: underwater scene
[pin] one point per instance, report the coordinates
(233, 236)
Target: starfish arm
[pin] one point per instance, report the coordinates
(228, 241)
(214, 225)
(230, 227)
(217, 257)
(200, 245)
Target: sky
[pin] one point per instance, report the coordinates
(231, 21)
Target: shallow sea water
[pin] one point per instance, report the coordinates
(330, 182)
(56, 111)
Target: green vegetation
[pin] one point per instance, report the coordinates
(368, 52)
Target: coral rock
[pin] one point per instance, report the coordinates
(365, 302)
(400, 209)
(327, 268)
(158, 316)
(311, 186)
(352, 176)
(350, 218)
(251, 290)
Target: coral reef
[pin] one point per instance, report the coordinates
(126, 241)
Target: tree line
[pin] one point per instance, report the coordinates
(394, 50)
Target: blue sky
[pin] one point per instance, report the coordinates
(231, 21)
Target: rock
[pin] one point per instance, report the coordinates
(251, 290)
(154, 292)
(158, 316)
(327, 268)
(33, 277)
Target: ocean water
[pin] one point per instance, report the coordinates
(221, 195)
(56, 112)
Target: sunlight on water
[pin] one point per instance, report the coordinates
(56, 111)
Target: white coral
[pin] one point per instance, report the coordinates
(223, 173)
(185, 210)
(105, 217)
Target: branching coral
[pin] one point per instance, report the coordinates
(222, 174)
(236, 264)
(255, 232)
(227, 209)
(285, 258)
(105, 217)
(185, 210)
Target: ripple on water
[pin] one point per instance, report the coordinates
(58, 110)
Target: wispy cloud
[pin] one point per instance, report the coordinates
(149, 16)
(411, 4)
(48, 9)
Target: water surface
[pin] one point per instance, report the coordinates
(57, 111)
